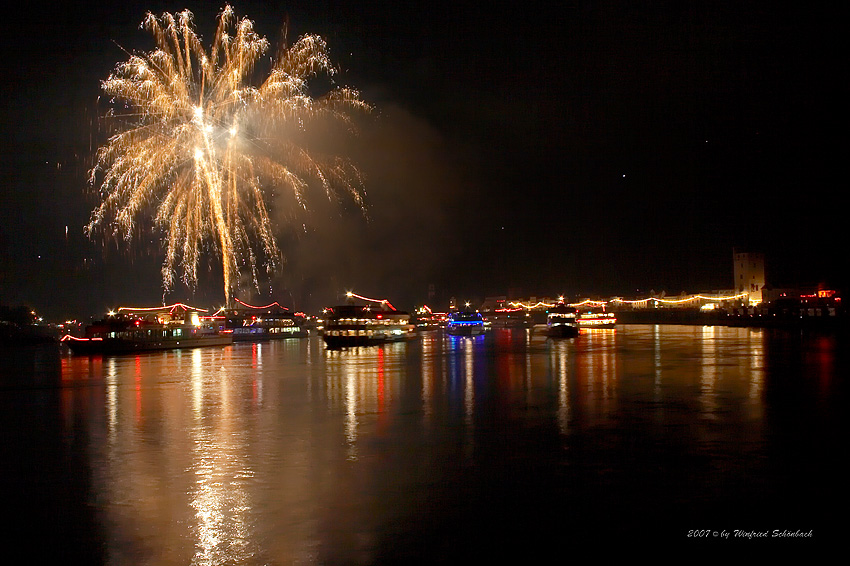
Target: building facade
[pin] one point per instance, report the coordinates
(749, 274)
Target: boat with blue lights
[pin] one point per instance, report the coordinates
(130, 330)
(465, 323)
(365, 323)
(561, 321)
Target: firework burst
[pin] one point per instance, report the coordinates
(196, 145)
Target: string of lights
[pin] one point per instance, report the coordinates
(171, 308)
(589, 302)
(274, 304)
(692, 298)
(350, 294)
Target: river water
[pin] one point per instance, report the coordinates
(433, 450)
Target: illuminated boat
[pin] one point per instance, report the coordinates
(509, 317)
(561, 321)
(250, 323)
(365, 325)
(147, 329)
(425, 319)
(465, 323)
(597, 319)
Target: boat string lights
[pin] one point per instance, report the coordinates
(350, 294)
(274, 304)
(170, 308)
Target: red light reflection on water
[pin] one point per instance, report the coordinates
(823, 358)
(81, 367)
(138, 381)
(380, 378)
(380, 399)
(254, 386)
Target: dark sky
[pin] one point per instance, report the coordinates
(584, 148)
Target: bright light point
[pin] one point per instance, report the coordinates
(349, 294)
(233, 131)
(199, 153)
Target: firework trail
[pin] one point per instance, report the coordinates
(196, 145)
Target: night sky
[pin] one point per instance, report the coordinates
(588, 148)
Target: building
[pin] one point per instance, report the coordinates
(749, 274)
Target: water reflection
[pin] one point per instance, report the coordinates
(708, 375)
(286, 452)
(596, 373)
(560, 354)
(465, 361)
(219, 463)
(428, 345)
(756, 370)
(363, 381)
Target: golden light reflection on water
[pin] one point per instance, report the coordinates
(112, 402)
(756, 367)
(174, 470)
(219, 464)
(596, 371)
(708, 375)
(731, 362)
(427, 369)
(559, 357)
(358, 380)
(717, 362)
(269, 453)
(656, 359)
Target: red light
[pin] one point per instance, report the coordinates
(380, 316)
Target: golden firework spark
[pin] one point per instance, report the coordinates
(198, 145)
